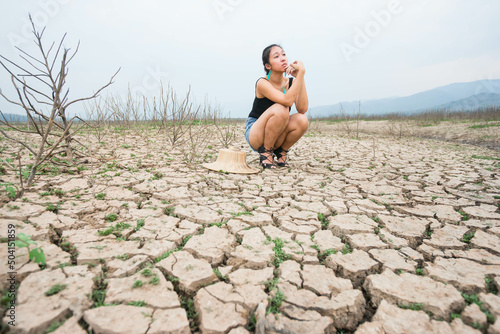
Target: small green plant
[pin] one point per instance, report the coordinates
(484, 157)
(169, 211)
(100, 196)
(59, 193)
(248, 213)
(187, 303)
(122, 257)
(464, 215)
(105, 232)
(140, 224)
(154, 280)
(347, 249)
(323, 220)
(137, 284)
(140, 303)
(420, 271)
(51, 207)
(35, 254)
(147, 272)
(275, 302)
(490, 285)
(412, 306)
(279, 254)
(252, 323)
(468, 236)
(474, 299)
(11, 190)
(55, 289)
(219, 275)
(173, 279)
(53, 326)
(157, 176)
(480, 126)
(111, 217)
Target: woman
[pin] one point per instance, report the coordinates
(270, 129)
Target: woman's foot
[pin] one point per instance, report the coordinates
(266, 157)
(281, 156)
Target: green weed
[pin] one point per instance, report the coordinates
(275, 302)
(35, 254)
(55, 289)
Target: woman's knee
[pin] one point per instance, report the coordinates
(280, 112)
(302, 121)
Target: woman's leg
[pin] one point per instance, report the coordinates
(297, 126)
(270, 125)
(266, 130)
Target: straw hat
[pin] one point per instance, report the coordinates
(231, 160)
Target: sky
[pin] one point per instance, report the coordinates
(351, 49)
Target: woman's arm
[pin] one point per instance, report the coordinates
(302, 101)
(265, 88)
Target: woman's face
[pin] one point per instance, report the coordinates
(278, 59)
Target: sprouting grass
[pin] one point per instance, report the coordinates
(474, 299)
(248, 213)
(464, 215)
(275, 302)
(100, 196)
(147, 272)
(347, 249)
(140, 224)
(412, 306)
(122, 257)
(116, 230)
(323, 220)
(52, 208)
(481, 126)
(137, 284)
(55, 325)
(169, 211)
(279, 254)
(468, 236)
(55, 289)
(168, 253)
(111, 217)
(187, 303)
(484, 157)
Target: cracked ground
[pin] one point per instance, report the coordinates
(369, 235)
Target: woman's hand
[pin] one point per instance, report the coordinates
(294, 68)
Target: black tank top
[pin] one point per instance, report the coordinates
(261, 105)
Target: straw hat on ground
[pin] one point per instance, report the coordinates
(231, 160)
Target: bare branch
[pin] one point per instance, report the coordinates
(96, 93)
(76, 51)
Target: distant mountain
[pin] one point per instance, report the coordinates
(472, 102)
(14, 118)
(456, 96)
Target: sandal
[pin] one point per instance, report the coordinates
(280, 153)
(266, 154)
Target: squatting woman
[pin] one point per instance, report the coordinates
(270, 129)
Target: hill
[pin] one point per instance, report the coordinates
(456, 96)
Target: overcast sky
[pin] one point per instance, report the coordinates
(351, 49)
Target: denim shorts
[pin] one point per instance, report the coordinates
(250, 122)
